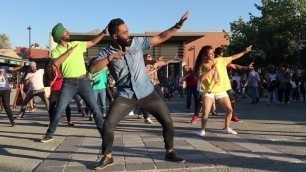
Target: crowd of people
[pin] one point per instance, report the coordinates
(126, 77)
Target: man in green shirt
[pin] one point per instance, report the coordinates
(68, 56)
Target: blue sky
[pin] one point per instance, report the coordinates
(139, 15)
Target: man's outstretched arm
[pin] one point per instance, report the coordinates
(97, 38)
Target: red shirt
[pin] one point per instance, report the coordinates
(191, 80)
(58, 81)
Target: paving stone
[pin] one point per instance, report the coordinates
(211, 169)
(253, 161)
(199, 162)
(169, 165)
(155, 144)
(185, 150)
(158, 151)
(228, 162)
(89, 141)
(180, 143)
(118, 140)
(188, 157)
(140, 166)
(48, 169)
(138, 159)
(133, 144)
(216, 155)
(119, 159)
(158, 158)
(151, 138)
(81, 159)
(59, 156)
(115, 167)
(76, 169)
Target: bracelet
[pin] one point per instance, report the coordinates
(104, 32)
(177, 26)
(245, 51)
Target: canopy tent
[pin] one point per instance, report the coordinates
(10, 57)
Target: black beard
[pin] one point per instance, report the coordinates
(125, 43)
(66, 39)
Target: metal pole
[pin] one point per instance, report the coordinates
(29, 28)
(299, 35)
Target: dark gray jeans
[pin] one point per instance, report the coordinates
(40, 93)
(153, 103)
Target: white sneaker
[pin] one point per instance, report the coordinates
(32, 110)
(201, 132)
(229, 131)
(148, 121)
(131, 113)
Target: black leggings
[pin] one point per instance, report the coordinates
(158, 90)
(5, 95)
(152, 103)
(53, 102)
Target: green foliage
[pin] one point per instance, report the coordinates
(276, 32)
(4, 42)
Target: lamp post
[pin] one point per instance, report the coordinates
(29, 28)
(298, 14)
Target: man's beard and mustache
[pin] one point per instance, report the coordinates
(124, 42)
(67, 39)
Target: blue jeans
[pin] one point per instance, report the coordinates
(192, 91)
(100, 95)
(83, 88)
(254, 94)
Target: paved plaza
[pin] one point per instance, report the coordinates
(271, 138)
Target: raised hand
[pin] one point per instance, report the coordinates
(248, 49)
(183, 19)
(105, 31)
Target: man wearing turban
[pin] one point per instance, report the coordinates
(68, 56)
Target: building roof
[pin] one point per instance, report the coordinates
(9, 53)
(10, 57)
(35, 52)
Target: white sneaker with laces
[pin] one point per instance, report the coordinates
(229, 131)
(148, 121)
(201, 132)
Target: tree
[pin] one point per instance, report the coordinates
(4, 41)
(275, 33)
(35, 45)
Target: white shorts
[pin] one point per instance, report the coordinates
(216, 95)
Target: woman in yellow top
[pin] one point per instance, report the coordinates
(214, 79)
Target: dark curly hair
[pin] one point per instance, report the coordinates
(113, 26)
(202, 55)
(49, 73)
